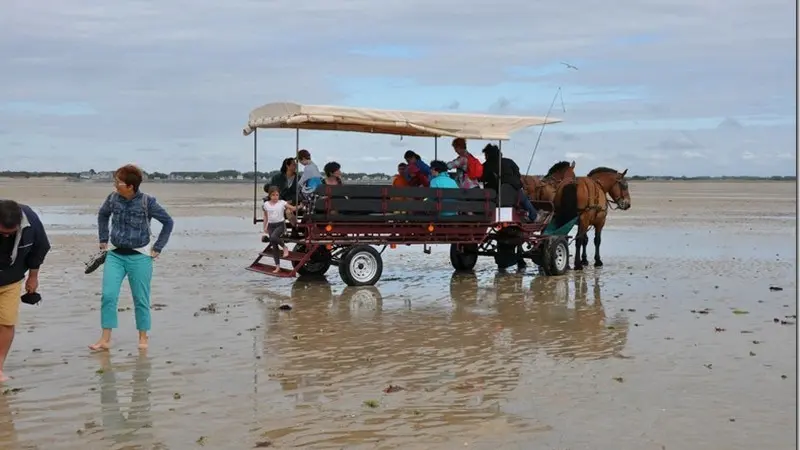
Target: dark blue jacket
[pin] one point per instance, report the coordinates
(30, 248)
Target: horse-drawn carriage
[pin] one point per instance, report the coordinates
(342, 225)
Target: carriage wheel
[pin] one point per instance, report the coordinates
(319, 263)
(361, 265)
(556, 256)
(465, 258)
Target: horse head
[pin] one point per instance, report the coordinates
(614, 184)
(560, 171)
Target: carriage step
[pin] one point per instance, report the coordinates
(293, 256)
(267, 269)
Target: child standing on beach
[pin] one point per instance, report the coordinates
(275, 224)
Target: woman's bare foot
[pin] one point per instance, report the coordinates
(285, 252)
(277, 269)
(4, 377)
(100, 345)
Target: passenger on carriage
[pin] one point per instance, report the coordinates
(462, 165)
(285, 181)
(441, 180)
(400, 180)
(499, 172)
(417, 173)
(333, 174)
(311, 178)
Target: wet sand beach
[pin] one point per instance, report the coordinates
(677, 343)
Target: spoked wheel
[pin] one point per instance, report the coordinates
(556, 256)
(463, 257)
(319, 263)
(361, 265)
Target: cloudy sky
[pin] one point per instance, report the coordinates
(681, 87)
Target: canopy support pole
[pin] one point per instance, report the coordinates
(500, 175)
(297, 164)
(255, 177)
(436, 148)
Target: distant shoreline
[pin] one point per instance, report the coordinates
(386, 182)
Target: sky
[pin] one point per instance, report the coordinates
(662, 87)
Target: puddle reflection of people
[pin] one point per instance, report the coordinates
(8, 432)
(117, 427)
(463, 292)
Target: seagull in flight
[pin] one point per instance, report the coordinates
(569, 66)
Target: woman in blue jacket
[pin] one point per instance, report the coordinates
(130, 212)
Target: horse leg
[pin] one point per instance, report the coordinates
(584, 244)
(598, 231)
(579, 239)
(597, 261)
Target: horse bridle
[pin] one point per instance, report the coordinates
(623, 184)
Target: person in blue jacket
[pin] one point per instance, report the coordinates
(130, 254)
(441, 180)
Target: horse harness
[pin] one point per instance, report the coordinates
(590, 207)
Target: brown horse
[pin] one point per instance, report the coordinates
(585, 198)
(544, 189)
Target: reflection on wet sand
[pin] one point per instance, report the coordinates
(118, 430)
(455, 368)
(8, 431)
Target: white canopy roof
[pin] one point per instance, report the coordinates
(405, 123)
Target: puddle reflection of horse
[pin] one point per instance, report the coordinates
(555, 313)
(582, 330)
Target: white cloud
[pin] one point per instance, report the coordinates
(91, 85)
(692, 155)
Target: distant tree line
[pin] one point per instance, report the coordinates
(225, 174)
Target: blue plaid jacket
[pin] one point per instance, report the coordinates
(130, 221)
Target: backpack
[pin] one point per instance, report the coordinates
(474, 168)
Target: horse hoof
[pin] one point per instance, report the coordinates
(598, 263)
(578, 267)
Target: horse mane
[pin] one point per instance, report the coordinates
(601, 169)
(557, 167)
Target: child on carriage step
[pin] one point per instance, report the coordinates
(275, 224)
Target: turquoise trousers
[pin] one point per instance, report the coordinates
(139, 270)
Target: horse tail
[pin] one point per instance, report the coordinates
(567, 209)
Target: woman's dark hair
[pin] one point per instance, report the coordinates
(285, 165)
(460, 143)
(411, 154)
(10, 214)
(304, 154)
(491, 151)
(439, 166)
(130, 175)
(330, 168)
